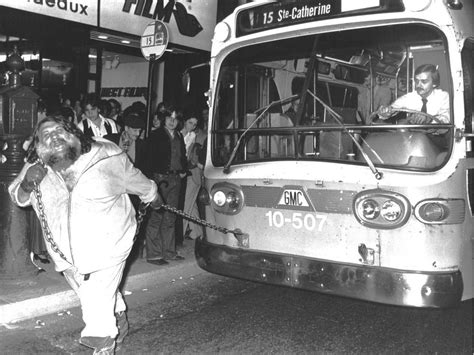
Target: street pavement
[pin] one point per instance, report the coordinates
(47, 292)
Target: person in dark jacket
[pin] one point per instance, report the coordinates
(164, 161)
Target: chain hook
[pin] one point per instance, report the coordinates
(242, 238)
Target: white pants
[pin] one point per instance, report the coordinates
(100, 299)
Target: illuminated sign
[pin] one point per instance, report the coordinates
(190, 22)
(83, 11)
(291, 12)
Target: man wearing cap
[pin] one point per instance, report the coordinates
(128, 139)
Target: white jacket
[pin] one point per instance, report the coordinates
(94, 224)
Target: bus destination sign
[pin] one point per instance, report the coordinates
(290, 12)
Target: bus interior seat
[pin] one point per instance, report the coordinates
(348, 114)
(337, 144)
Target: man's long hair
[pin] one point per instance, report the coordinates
(86, 142)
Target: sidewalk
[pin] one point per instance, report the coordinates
(48, 292)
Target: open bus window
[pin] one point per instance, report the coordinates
(325, 100)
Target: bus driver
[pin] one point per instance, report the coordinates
(427, 98)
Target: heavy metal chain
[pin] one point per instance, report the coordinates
(44, 224)
(196, 219)
(47, 232)
(241, 237)
(142, 208)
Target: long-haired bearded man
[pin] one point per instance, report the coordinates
(79, 188)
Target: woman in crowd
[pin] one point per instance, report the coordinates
(193, 180)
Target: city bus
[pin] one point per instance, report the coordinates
(326, 195)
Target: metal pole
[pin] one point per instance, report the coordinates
(149, 117)
(15, 229)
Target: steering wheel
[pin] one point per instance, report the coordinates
(396, 111)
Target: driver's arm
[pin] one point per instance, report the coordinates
(385, 112)
(443, 111)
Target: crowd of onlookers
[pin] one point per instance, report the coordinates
(171, 151)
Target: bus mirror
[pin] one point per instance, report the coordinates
(186, 77)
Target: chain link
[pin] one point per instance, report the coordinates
(142, 208)
(196, 219)
(44, 224)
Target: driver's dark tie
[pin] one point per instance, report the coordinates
(423, 108)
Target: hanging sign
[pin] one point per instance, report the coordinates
(154, 40)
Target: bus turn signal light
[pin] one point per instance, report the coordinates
(441, 211)
(433, 212)
(381, 209)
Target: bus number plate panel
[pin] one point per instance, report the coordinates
(297, 220)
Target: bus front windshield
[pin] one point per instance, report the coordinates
(343, 97)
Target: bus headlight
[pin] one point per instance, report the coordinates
(391, 210)
(219, 198)
(381, 209)
(369, 209)
(227, 198)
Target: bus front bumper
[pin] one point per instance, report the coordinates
(377, 284)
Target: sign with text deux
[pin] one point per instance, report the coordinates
(82, 11)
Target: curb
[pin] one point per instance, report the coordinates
(18, 311)
(39, 306)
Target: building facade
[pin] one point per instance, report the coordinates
(75, 47)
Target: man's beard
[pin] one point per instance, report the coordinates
(63, 159)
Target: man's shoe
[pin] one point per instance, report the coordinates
(42, 257)
(177, 257)
(157, 261)
(101, 345)
(122, 325)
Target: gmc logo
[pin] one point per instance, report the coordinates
(293, 197)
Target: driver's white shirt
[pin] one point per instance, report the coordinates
(437, 103)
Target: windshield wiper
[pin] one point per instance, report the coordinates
(378, 175)
(255, 121)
